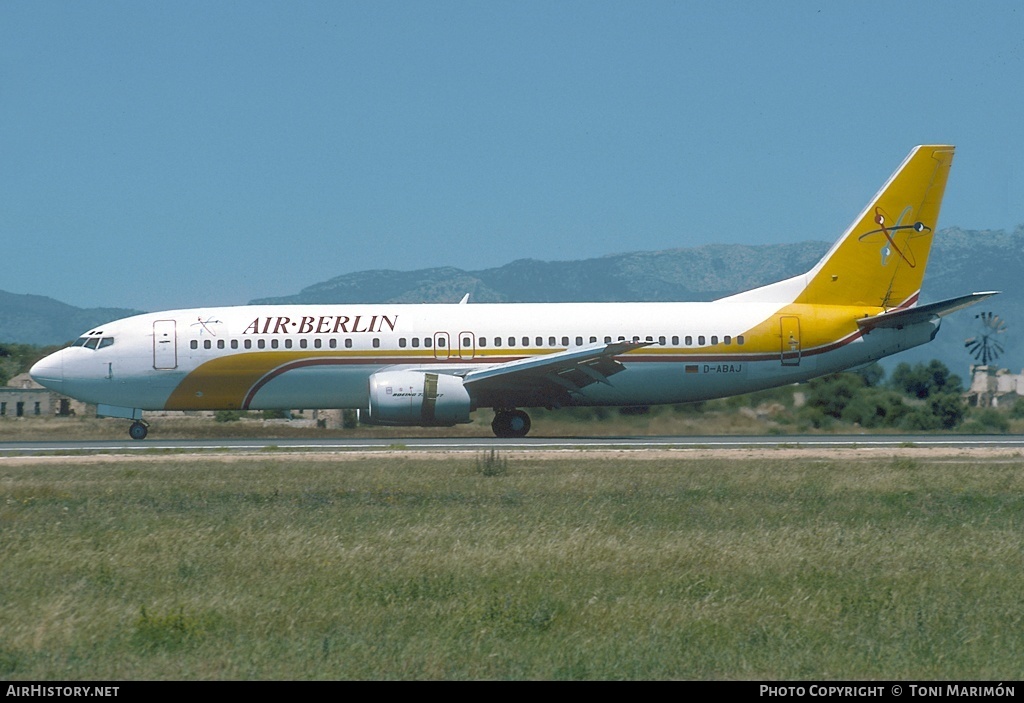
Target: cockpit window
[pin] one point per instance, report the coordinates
(93, 342)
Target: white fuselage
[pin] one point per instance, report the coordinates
(321, 356)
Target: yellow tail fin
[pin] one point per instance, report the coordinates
(881, 258)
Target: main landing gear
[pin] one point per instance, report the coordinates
(510, 423)
(138, 430)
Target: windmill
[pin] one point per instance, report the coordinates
(984, 346)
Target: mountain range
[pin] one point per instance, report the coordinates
(962, 261)
(36, 319)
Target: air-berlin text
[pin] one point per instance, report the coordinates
(322, 324)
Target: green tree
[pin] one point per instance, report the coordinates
(875, 408)
(831, 394)
(872, 374)
(925, 380)
(948, 408)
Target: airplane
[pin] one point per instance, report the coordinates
(435, 364)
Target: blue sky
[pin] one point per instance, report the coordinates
(174, 154)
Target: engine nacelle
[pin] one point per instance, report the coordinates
(416, 398)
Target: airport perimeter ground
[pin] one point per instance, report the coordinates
(698, 564)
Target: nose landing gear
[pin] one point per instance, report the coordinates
(138, 430)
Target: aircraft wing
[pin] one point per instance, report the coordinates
(562, 372)
(922, 313)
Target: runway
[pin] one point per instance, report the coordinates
(419, 444)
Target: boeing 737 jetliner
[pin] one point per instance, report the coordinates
(429, 365)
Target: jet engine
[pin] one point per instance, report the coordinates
(416, 398)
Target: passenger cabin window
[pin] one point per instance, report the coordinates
(376, 342)
(689, 341)
(401, 342)
(234, 344)
(700, 340)
(714, 339)
(220, 343)
(739, 340)
(194, 344)
(248, 344)
(565, 341)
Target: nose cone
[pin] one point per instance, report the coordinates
(49, 371)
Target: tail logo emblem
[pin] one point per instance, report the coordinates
(890, 246)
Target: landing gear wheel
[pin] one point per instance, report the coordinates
(510, 423)
(138, 430)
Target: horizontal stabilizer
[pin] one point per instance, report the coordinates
(922, 313)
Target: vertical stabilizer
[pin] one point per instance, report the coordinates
(880, 260)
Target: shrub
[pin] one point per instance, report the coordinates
(350, 419)
(1017, 411)
(831, 394)
(988, 420)
(875, 408)
(923, 381)
(815, 418)
(918, 419)
(491, 463)
(949, 408)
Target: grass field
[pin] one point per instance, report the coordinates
(455, 567)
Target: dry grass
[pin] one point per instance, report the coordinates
(660, 422)
(397, 567)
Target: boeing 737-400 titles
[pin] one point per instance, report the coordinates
(434, 364)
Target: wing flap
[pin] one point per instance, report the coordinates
(571, 369)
